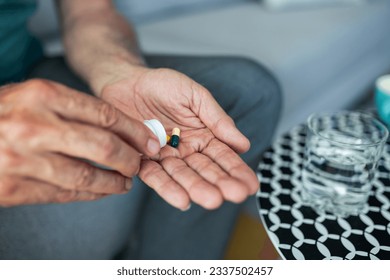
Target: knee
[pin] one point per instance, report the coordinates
(260, 82)
(257, 85)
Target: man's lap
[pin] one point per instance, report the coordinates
(81, 230)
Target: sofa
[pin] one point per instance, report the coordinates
(326, 57)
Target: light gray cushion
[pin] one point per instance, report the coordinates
(293, 4)
(152, 10)
(324, 58)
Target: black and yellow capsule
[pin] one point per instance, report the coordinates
(175, 138)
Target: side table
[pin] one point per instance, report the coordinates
(299, 232)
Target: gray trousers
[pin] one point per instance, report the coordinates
(140, 225)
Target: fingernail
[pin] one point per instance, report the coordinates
(153, 146)
(188, 208)
(128, 184)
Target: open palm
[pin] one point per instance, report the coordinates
(205, 168)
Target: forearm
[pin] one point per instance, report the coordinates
(98, 41)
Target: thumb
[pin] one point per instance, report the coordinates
(220, 124)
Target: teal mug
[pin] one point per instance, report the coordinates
(382, 98)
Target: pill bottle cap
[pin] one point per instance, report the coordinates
(157, 128)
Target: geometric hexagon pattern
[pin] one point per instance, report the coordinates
(297, 231)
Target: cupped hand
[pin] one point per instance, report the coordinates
(206, 167)
(47, 131)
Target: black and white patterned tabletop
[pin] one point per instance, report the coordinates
(297, 231)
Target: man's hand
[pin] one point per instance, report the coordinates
(46, 129)
(205, 168)
(101, 47)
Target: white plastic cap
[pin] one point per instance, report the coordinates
(157, 128)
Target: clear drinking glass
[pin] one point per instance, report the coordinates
(341, 156)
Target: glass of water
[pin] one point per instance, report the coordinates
(341, 156)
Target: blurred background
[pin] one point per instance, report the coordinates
(326, 55)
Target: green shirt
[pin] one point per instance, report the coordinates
(18, 48)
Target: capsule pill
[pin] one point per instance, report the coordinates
(175, 138)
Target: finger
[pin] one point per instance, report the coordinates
(72, 174)
(229, 161)
(221, 125)
(232, 189)
(199, 190)
(96, 145)
(76, 106)
(154, 176)
(21, 191)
